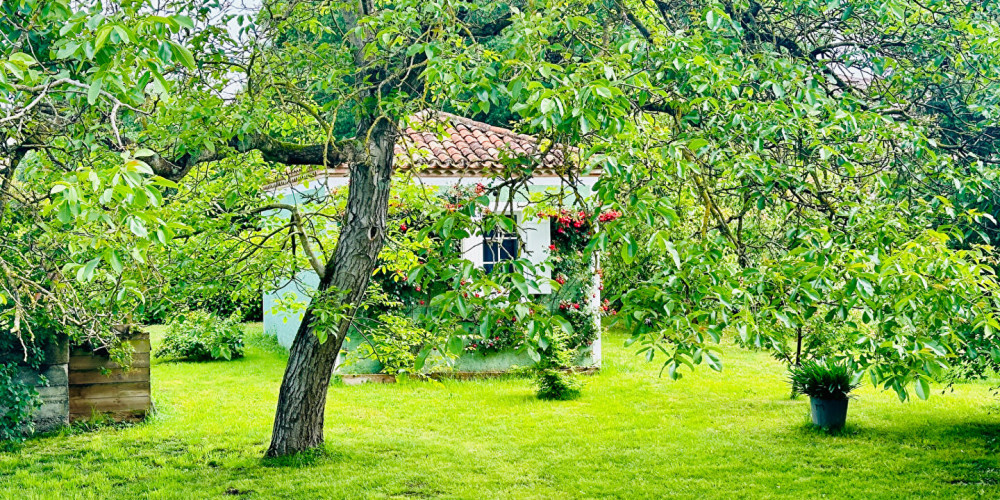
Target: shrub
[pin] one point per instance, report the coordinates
(18, 402)
(824, 380)
(552, 380)
(203, 336)
(555, 384)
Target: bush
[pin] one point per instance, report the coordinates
(555, 384)
(552, 380)
(824, 380)
(18, 402)
(203, 336)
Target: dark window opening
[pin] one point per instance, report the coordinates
(499, 246)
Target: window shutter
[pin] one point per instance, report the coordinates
(536, 235)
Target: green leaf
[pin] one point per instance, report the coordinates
(138, 227)
(922, 388)
(86, 273)
(182, 54)
(455, 345)
(183, 21)
(94, 91)
(115, 261)
(564, 324)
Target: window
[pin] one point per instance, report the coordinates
(499, 246)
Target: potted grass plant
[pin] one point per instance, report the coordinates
(828, 385)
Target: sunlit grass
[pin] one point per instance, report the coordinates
(632, 434)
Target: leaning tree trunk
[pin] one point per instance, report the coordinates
(298, 422)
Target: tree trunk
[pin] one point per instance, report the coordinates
(298, 421)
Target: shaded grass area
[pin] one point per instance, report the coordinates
(631, 435)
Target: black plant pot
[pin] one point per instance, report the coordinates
(829, 413)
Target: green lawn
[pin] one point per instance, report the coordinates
(631, 435)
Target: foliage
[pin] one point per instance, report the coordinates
(18, 402)
(551, 375)
(395, 341)
(200, 336)
(824, 379)
(556, 384)
(574, 272)
(782, 173)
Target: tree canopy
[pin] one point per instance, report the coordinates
(811, 177)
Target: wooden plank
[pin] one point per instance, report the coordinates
(89, 377)
(89, 362)
(117, 416)
(84, 406)
(138, 345)
(84, 409)
(98, 391)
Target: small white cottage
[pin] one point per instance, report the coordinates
(444, 150)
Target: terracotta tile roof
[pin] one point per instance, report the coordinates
(439, 144)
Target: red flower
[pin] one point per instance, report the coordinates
(421, 302)
(609, 216)
(402, 227)
(552, 247)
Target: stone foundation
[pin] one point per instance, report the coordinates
(51, 380)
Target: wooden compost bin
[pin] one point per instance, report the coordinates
(99, 388)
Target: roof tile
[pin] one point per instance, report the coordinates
(466, 147)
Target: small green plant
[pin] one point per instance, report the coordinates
(822, 379)
(551, 377)
(200, 336)
(18, 402)
(555, 384)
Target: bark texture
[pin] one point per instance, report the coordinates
(299, 419)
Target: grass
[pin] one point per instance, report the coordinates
(631, 435)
